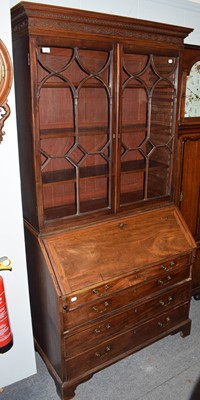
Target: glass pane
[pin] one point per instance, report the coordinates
(159, 178)
(134, 105)
(147, 129)
(59, 200)
(75, 115)
(94, 194)
(56, 107)
(93, 107)
(132, 187)
(192, 96)
(165, 66)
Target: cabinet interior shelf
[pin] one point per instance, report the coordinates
(66, 210)
(70, 174)
(60, 132)
(98, 171)
(64, 85)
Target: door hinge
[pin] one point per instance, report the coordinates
(28, 59)
(181, 197)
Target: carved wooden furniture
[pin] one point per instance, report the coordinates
(6, 78)
(109, 255)
(189, 150)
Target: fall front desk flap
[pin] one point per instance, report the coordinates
(96, 254)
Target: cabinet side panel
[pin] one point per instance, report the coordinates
(44, 303)
(24, 127)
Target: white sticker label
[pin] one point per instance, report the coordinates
(46, 50)
(74, 298)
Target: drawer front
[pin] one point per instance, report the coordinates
(81, 340)
(118, 347)
(95, 310)
(112, 286)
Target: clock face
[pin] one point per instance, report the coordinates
(192, 98)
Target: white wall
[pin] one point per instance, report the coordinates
(18, 362)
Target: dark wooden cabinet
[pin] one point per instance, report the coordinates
(109, 255)
(189, 151)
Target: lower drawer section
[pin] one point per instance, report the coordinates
(121, 345)
(80, 340)
(101, 307)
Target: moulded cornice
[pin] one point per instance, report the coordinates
(40, 19)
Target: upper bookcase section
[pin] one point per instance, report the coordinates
(97, 98)
(41, 19)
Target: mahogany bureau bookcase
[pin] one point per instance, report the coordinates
(109, 255)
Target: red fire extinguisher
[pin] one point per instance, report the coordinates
(6, 338)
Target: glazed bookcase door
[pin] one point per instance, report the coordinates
(147, 126)
(84, 129)
(74, 97)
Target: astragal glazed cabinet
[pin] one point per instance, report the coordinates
(109, 255)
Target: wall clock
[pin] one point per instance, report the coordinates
(192, 95)
(6, 78)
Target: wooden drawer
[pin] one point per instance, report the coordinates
(101, 307)
(81, 340)
(109, 287)
(126, 343)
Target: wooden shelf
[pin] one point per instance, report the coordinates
(52, 213)
(67, 210)
(143, 127)
(63, 84)
(140, 86)
(138, 196)
(95, 171)
(140, 165)
(133, 128)
(131, 197)
(60, 132)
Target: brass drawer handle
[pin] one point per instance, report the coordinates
(122, 225)
(106, 304)
(162, 282)
(95, 291)
(166, 268)
(98, 293)
(164, 325)
(107, 350)
(166, 304)
(99, 330)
